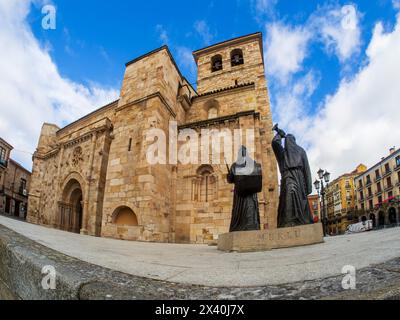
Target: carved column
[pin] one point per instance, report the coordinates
(86, 209)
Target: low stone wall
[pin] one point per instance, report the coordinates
(22, 261)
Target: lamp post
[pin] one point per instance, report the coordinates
(320, 185)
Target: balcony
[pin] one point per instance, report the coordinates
(377, 179)
(378, 193)
(370, 196)
(22, 191)
(349, 198)
(397, 168)
(388, 188)
(387, 173)
(398, 184)
(369, 183)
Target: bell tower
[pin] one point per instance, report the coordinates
(230, 63)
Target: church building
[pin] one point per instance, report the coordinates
(93, 176)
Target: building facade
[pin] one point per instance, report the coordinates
(378, 191)
(14, 184)
(341, 201)
(94, 176)
(314, 203)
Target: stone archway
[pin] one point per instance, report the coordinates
(373, 218)
(392, 216)
(70, 215)
(381, 219)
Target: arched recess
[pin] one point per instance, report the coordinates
(70, 212)
(212, 108)
(124, 216)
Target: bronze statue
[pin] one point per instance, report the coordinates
(246, 174)
(296, 182)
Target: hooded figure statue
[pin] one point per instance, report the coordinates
(245, 212)
(296, 184)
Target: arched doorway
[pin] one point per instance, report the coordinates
(71, 207)
(373, 218)
(392, 216)
(381, 219)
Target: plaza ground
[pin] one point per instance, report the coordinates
(205, 265)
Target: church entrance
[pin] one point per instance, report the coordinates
(71, 208)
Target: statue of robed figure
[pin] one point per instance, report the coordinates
(296, 183)
(246, 174)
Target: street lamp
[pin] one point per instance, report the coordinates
(321, 185)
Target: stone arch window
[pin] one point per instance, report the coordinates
(124, 216)
(205, 185)
(216, 63)
(212, 108)
(237, 57)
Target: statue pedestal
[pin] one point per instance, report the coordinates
(265, 240)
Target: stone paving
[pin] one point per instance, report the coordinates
(206, 266)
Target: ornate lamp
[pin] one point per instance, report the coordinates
(317, 185)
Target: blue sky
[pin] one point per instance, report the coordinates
(314, 64)
(92, 42)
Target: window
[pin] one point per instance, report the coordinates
(23, 185)
(205, 185)
(361, 196)
(387, 167)
(379, 187)
(380, 199)
(2, 154)
(371, 204)
(237, 57)
(377, 174)
(216, 63)
(389, 182)
(368, 179)
(369, 192)
(360, 183)
(398, 161)
(390, 195)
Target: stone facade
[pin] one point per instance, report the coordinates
(94, 177)
(14, 184)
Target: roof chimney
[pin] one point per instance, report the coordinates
(392, 150)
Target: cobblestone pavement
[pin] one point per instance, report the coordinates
(199, 272)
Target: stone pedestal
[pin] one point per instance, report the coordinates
(265, 240)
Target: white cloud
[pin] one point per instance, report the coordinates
(163, 34)
(396, 4)
(359, 123)
(204, 31)
(264, 7)
(32, 89)
(339, 30)
(186, 61)
(286, 49)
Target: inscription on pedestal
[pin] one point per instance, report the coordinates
(264, 240)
